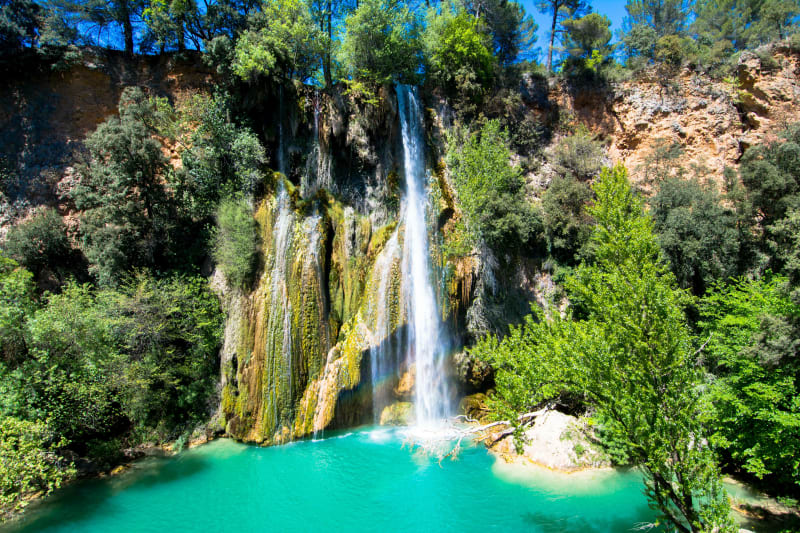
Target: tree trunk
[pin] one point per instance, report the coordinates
(556, 6)
(326, 68)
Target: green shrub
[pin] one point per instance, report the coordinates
(566, 223)
(236, 241)
(29, 462)
(579, 155)
(39, 242)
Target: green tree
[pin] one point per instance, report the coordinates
(559, 11)
(236, 241)
(513, 34)
(752, 332)
(567, 225)
(457, 52)
(40, 242)
(649, 21)
(125, 207)
(284, 42)
(630, 356)
(490, 190)
(168, 334)
(381, 42)
(19, 22)
(16, 305)
(588, 36)
(697, 233)
(30, 462)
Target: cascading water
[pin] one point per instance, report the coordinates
(383, 352)
(425, 339)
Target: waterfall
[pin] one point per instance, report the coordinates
(383, 353)
(425, 339)
(281, 161)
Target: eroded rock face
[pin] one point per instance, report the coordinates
(712, 121)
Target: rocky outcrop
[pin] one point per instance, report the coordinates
(712, 121)
(556, 441)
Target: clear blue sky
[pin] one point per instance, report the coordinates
(613, 9)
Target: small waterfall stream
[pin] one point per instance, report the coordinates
(425, 340)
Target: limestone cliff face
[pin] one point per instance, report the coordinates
(712, 121)
(46, 114)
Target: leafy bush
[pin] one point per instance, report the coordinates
(567, 224)
(579, 155)
(698, 234)
(39, 242)
(489, 189)
(30, 462)
(236, 241)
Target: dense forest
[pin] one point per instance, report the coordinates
(674, 321)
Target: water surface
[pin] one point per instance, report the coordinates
(364, 480)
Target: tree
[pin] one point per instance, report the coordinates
(121, 192)
(18, 25)
(16, 304)
(559, 11)
(697, 233)
(512, 32)
(40, 242)
(236, 241)
(649, 21)
(457, 52)
(586, 35)
(167, 23)
(752, 327)
(284, 42)
(566, 224)
(630, 355)
(490, 189)
(30, 463)
(381, 42)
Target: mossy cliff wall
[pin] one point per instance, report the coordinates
(323, 326)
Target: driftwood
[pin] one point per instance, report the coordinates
(439, 443)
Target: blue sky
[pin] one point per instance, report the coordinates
(613, 9)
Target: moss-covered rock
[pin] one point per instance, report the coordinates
(398, 414)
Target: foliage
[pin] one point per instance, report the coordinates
(489, 189)
(579, 155)
(587, 40)
(221, 158)
(771, 174)
(284, 41)
(16, 304)
(18, 25)
(567, 225)
(559, 11)
(30, 463)
(697, 233)
(138, 361)
(381, 42)
(39, 242)
(457, 53)
(121, 193)
(631, 357)
(752, 331)
(236, 241)
(168, 332)
(513, 33)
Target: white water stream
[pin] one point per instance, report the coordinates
(425, 340)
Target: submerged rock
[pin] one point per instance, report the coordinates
(398, 414)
